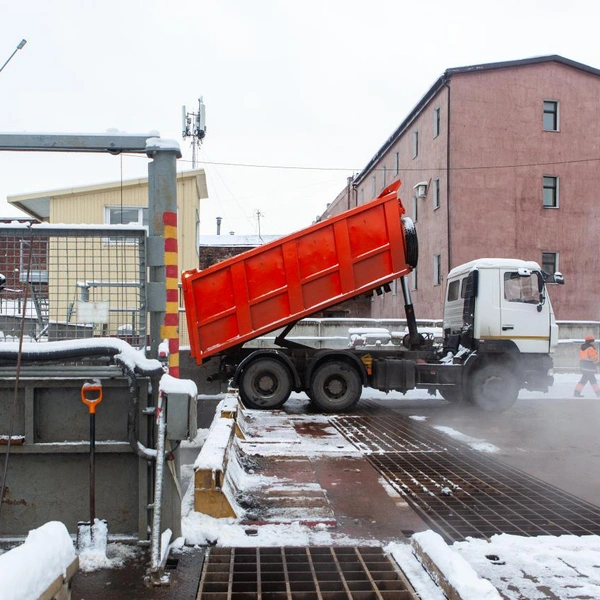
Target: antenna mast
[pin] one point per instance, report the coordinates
(194, 126)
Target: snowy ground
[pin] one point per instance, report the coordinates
(519, 568)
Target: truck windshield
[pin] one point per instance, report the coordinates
(521, 289)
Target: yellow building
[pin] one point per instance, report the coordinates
(122, 202)
(79, 281)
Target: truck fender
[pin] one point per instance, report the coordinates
(342, 355)
(268, 353)
(505, 351)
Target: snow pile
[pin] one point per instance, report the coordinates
(537, 567)
(454, 568)
(27, 570)
(474, 443)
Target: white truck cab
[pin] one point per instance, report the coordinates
(497, 313)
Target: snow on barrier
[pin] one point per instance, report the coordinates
(211, 464)
(42, 567)
(449, 570)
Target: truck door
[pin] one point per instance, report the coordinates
(524, 310)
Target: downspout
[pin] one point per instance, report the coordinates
(449, 228)
(349, 190)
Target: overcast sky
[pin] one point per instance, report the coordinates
(317, 85)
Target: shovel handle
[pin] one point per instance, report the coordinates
(88, 397)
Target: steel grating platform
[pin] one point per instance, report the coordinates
(457, 491)
(302, 573)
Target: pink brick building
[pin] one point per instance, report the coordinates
(507, 156)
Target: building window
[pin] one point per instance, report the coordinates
(550, 262)
(415, 144)
(384, 176)
(373, 186)
(436, 193)
(414, 279)
(124, 215)
(362, 195)
(436, 121)
(550, 191)
(437, 269)
(415, 209)
(550, 115)
(397, 163)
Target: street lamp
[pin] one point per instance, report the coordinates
(21, 44)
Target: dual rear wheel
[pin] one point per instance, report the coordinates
(267, 383)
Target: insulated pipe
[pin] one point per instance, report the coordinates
(10, 357)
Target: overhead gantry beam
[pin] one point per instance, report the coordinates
(162, 204)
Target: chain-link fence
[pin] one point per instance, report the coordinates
(67, 283)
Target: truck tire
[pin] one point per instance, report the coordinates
(265, 384)
(493, 388)
(335, 387)
(412, 242)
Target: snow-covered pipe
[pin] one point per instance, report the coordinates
(130, 360)
(158, 486)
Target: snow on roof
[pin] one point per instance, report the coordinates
(227, 241)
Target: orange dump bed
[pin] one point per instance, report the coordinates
(276, 284)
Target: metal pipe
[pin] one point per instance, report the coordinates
(158, 486)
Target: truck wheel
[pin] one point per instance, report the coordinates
(412, 242)
(493, 388)
(265, 384)
(335, 387)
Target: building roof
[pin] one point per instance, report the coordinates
(446, 76)
(38, 204)
(231, 241)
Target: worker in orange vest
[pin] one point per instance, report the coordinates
(588, 359)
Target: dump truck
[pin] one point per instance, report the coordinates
(499, 329)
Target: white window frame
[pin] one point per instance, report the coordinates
(437, 116)
(414, 279)
(373, 186)
(437, 269)
(397, 163)
(556, 260)
(140, 211)
(556, 189)
(436, 193)
(415, 143)
(555, 113)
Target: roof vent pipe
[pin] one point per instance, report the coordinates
(219, 225)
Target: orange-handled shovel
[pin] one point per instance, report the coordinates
(91, 396)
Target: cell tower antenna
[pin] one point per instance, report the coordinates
(194, 126)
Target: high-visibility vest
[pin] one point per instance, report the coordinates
(588, 358)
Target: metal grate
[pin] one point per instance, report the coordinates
(458, 492)
(302, 573)
(68, 283)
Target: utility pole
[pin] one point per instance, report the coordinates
(21, 44)
(257, 216)
(194, 126)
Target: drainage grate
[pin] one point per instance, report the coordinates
(302, 573)
(460, 493)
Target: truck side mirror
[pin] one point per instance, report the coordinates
(558, 278)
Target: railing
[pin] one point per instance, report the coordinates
(77, 282)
